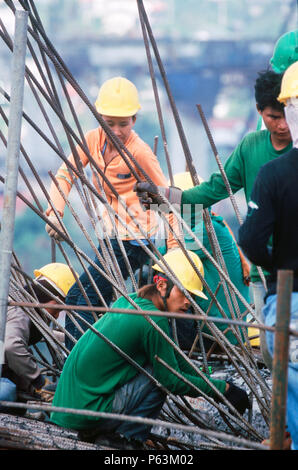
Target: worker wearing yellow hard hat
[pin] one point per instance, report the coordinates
(117, 104)
(59, 275)
(96, 378)
(184, 271)
(20, 371)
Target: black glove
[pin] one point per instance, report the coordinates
(149, 194)
(237, 397)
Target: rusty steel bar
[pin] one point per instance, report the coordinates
(280, 359)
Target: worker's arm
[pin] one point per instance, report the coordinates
(65, 176)
(151, 166)
(214, 190)
(16, 348)
(158, 346)
(205, 194)
(255, 232)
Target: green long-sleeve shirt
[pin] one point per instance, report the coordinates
(241, 169)
(94, 371)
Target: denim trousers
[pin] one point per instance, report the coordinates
(269, 312)
(138, 397)
(136, 257)
(8, 391)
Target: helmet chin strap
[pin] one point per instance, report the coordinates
(170, 286)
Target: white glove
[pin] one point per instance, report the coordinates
(291, 114)
(52, 217)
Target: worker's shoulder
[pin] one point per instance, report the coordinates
(255, 138)
(17, 314)
(93, 133)
(136, 143)
(134, 302)
(284, 164)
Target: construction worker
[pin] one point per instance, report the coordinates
(20, 369)
(98, 377)
(272, 213)
(118, 104)
(285, 53)
(241, 168)
(237, 268)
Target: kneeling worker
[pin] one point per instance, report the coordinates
(21, 372)
(97, 378)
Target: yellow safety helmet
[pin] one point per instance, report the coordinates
(184, 271)
(58, 275)
(289, 84)
(254, 336)
(184, 180)
(118, 97)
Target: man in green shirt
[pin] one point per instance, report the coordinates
(241, 168)
(98, 377)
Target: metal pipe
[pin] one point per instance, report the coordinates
(12, 164)
(280, 359)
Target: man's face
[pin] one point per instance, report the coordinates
(177, 302)
(121, 126)
(54, 312)
(276, 124)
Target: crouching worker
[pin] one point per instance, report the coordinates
(21, 372)
(98, 378)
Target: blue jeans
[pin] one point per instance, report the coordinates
(136, 256)
(138, 397)
(269, 312)
(8, 391)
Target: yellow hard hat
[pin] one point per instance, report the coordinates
(118, 97)
(254, 336)
(184, 180)
(58, 275)
(184, 271)
(289, 84)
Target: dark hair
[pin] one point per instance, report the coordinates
(148, 291)
(267, 89)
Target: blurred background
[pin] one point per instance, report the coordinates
(212, 51)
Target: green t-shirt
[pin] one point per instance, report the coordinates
(241, 169)
(94, 371)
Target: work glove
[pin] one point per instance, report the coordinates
(47, 391)
(149, 196)
(237, 397)
(52, 217)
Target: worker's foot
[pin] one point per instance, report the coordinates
(286, 444)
